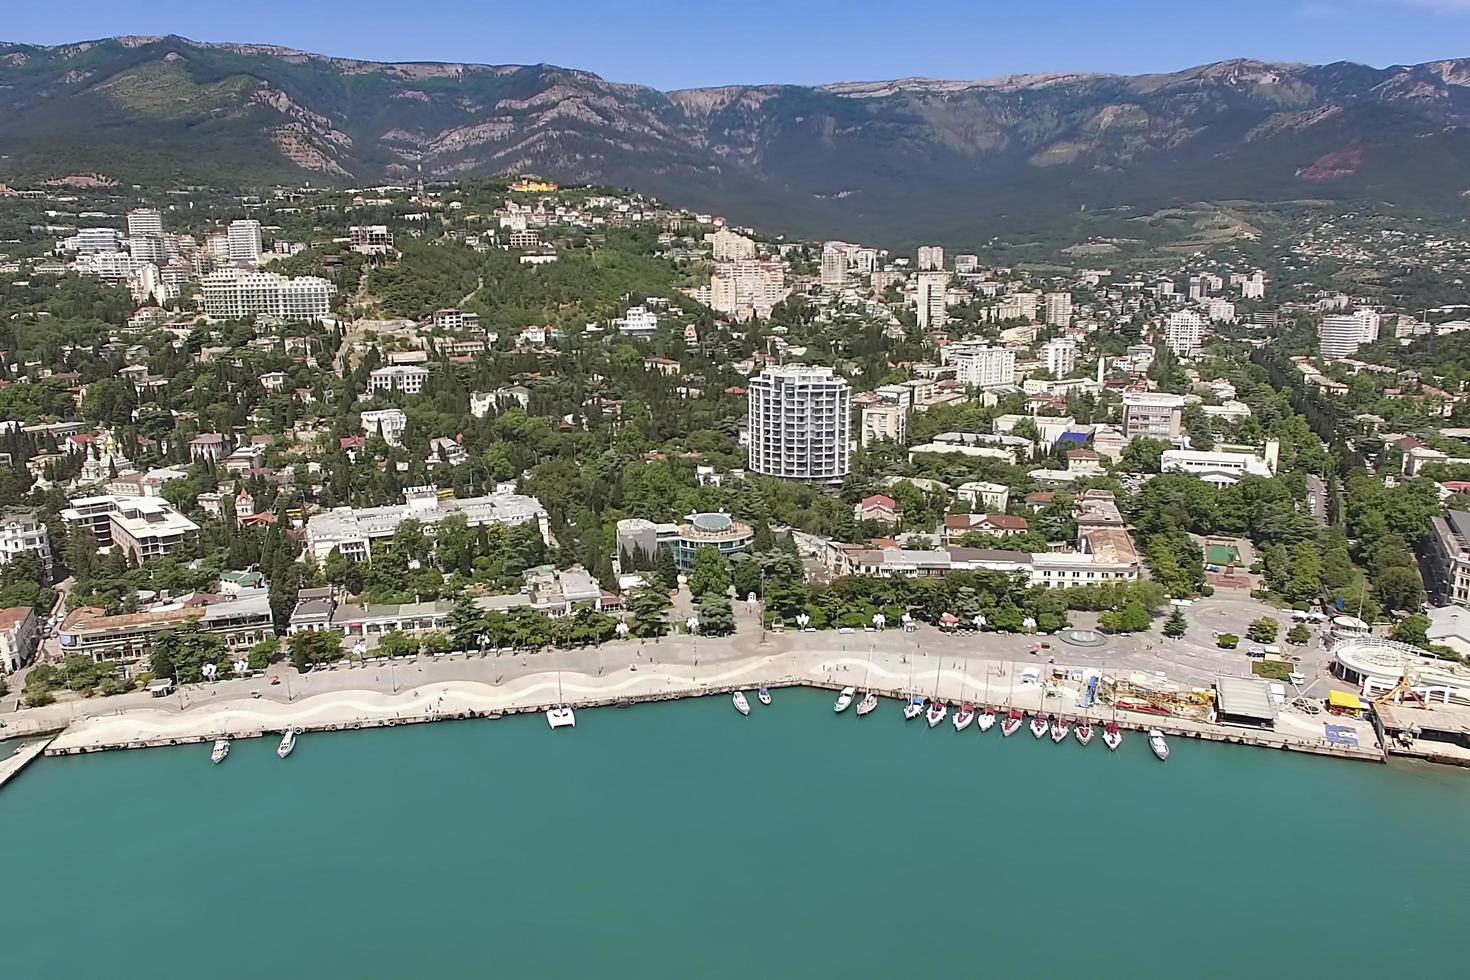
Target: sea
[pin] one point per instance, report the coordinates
(684, 840)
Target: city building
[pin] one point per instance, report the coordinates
(371, 239)
(244, 243)
(1182, 332)
(386, 422)
(407, 378)
(834, 267)
(931, 258)
(242, 620)
(352, 531)
(747, 286)
(930, 299)
(637, 322)
(988, 497)
(1342, 335)
(982, 366)
(22, 532)
(799, 422)
(884, 421)
(727, 246)
(236, 294)
(1059, 310)
(143, 527)
(1059, 356)
(720, 531)
(1446, 561)
(19, 636)
(143, 222)
(454, 321)
(1219, 468)
(1155, 414)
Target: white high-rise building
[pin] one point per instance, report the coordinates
(930, 300)
(980, 366)
(966, 263)
(1182, 332)
(1059, 356)
(1059, 309)
(748, 284)
(727, 246)
(1341, 336)
(834, 266)
(143, 222)
(931, 258)
(234, 294)
(244, 242)
(800, 421)
(1254, 287)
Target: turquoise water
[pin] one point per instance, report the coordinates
(682, 840)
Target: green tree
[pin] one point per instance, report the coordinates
(466, 623)
(263, 653)
(648, 604)
(1175, 626)
(1299, 635)
(397, 644)
(715, 616)
(312, 647)
(1263, 630)
(710, 574)
(1413, 630)
(180, 654)
(667, 569)
(1131, 618)
(1143, 455)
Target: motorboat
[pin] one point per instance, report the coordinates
(1084, 732)
(937, 710)
(741, 705)
(221, 749)
(561, 717)
(1158, 745)
(1039, 724)
(914, 708)
(844, 699)
(867, 704)
(1112, 736)
(964, 716)
(1014, 720)
(288, 744)
(986, 720)
(763, 695)
(1060, 730)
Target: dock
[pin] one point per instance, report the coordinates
(12, 765)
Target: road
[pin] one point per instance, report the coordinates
(1192, 660)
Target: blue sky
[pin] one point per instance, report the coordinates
(699, 42)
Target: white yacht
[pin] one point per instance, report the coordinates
(914, 708)
(1039, 724)
(1112, 736)
(986, 721)
(741, 705)
(964, 716)
(221, 749)
(867, 704)
(1158, 745)
(1083, 731)
(937, 710)
(1060, 729)
(561, 717)
(763, 695)
(288, 744)
(844, 699)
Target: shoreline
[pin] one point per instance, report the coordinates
(454, 700)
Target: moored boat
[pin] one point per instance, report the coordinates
(741, 705)
(1112, 736)
(763, 695)
(1014, 720)
(1158, 745)
(937, 710)
(221, 749)
(914, 708)
(844, 699)
(986, 719)
(964, 716)
(288, 744)
(561, 717)
(1084, 732)
(1039, 724)
(1060, 730)
(867, 704)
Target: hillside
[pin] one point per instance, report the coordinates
(894, 161)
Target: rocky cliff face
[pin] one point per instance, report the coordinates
(881, 158)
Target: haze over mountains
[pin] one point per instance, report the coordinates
(894, 161)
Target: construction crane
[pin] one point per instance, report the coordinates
(1404, 685)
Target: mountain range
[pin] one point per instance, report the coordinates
(894, 161)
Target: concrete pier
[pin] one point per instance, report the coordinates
(11, 765)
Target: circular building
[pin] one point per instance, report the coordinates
(719, 531)
(1383, 667)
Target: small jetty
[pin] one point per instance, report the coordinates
(12, 765)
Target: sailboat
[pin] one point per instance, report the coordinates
(741, 705)
(1013, 722)
(1039, 724)
(1084, 731)
(844, 699)
(1060, 730)
(964, 716)
(867, 704)
(914, 707)
(1112, 736)
(560, 716)
(937, 708)
(763, 695)
(987, 719)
